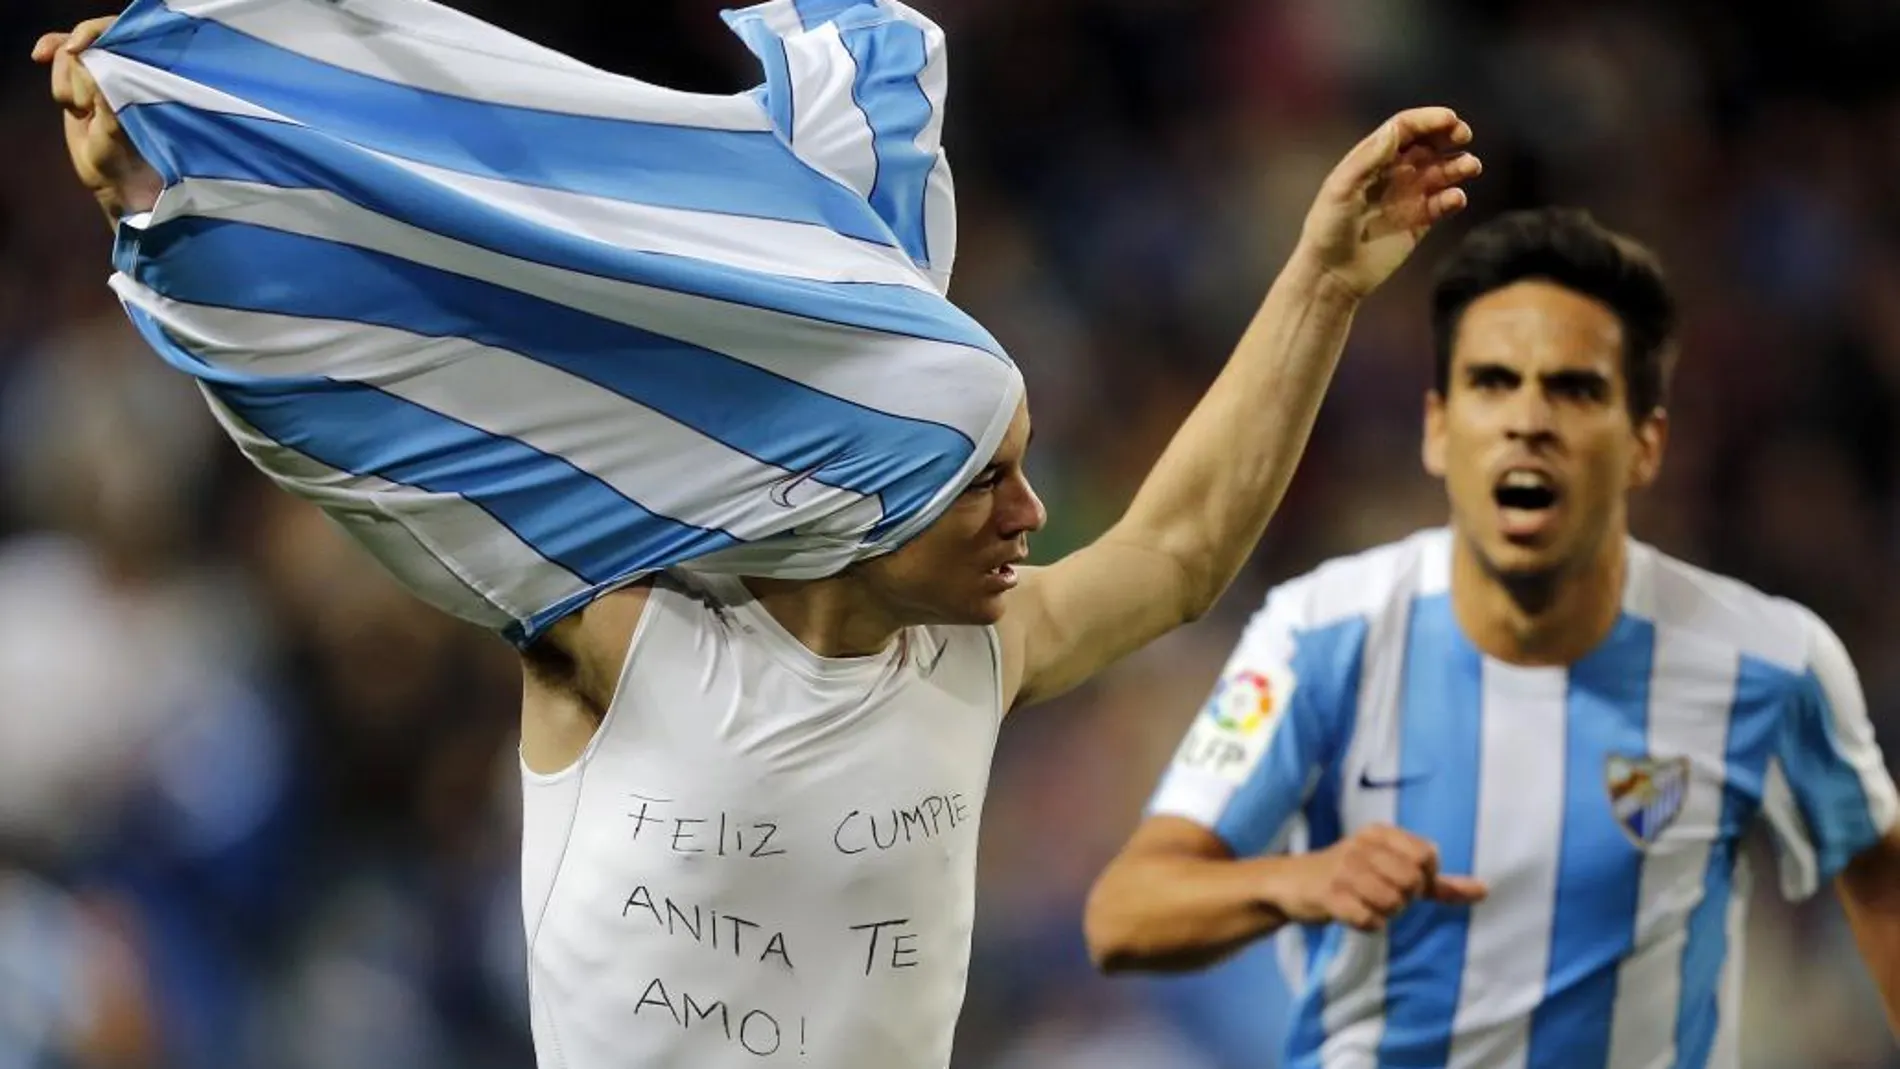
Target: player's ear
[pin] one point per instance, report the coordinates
(1652, 438)
(1432, 449)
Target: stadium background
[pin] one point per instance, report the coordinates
(258, 810)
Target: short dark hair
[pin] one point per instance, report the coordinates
(1569, 247)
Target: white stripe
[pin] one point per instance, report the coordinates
(1521, 791)
(1354, 982)
(1720, 609)
(431, 47)
(445, 566)
(1850, 731)
(1289, 943)
(1192, 794)
(1800, 868)
(127, 82)
(1691, 700)
(1726, 1053)
(876, 370)
(779, 16)
(630, 447)
(829, 130)
(940, 222)
(1435, 552)
(940, 198)
(1353, 1015)
(769, 246)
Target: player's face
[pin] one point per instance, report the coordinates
(959, 569)
(1533, 436)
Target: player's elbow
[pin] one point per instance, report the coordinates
(1106, 926)
(1114, 927)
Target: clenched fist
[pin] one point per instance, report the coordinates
(103, 157)
(1365, 880)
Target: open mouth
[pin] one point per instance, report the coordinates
(1526, 491)
(1002, 577)
(1526, 502)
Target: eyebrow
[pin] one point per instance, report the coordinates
(1569, 374)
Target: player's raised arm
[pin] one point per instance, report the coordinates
(1201, 510)
(529, 331)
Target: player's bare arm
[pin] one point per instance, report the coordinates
(102, 156)
(1201, 510)
(1177, 899)
(569, 677)
(1869, 890)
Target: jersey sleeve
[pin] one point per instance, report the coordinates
(857, 89)
(1275, 721)
(1828, 794)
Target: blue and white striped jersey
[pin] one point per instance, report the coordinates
(1606, 804)
(530, 330)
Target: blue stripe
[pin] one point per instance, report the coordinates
(736, 172)
(1319, 721)
(1321, 943)
(1310, 737)
(890, 56)
(1323, 812)
(1827, 788)
(815, 12)
(1754, 730)
(769, 48)
(568, 516)
(1440, 739)
(1306, 1036)
(783, 101)
(186, 143)
(1599, 870)
(775, 420)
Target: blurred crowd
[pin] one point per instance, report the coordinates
(259, 811)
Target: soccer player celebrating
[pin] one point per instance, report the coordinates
(1495, 779)
(664, 388)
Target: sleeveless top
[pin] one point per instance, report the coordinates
(765, 856)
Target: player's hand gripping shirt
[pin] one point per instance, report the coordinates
(1605, 804)
(529, 330)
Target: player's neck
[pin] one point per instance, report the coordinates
(830, 617)
(1548, 620)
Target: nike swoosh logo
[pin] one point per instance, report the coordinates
(781, 491)
(1367, 783)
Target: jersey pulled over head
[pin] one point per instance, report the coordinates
(528, 330)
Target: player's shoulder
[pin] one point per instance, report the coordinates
(1360, 584)
(1725, 611)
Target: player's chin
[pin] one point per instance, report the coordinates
(981, 610)
(1518, 555)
